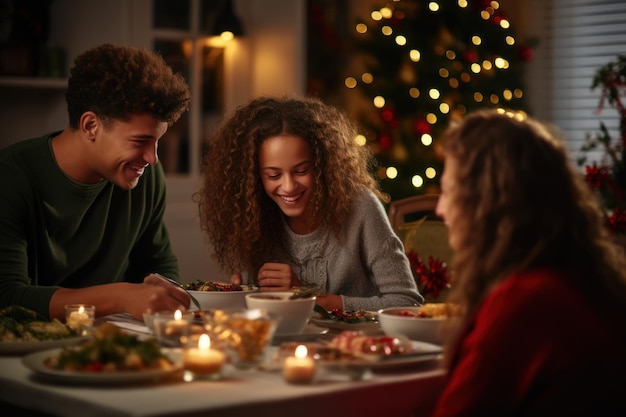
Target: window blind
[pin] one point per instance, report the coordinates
(582, 36)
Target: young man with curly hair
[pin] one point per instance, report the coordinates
(81, 219)
(289, 198)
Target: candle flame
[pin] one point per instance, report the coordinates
(301, 351)
(178, 315)
(204, 343)
(81, 310)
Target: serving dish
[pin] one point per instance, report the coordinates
(36, 363)
(14, 348)
(369, 324)
(293, 313)
(310, 333)
(421, 352)
(227, 300)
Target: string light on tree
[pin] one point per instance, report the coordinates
(425, 63)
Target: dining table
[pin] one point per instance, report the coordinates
(408, 390)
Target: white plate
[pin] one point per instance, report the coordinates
(14, 348)
(342, 325)
(422, 352)
(35, 362)
(310, 333)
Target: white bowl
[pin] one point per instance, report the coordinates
(293, 314)
(223, 300)
(403, 321)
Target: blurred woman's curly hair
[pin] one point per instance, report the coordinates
(244, 226)
(116, 82)
(518, 204)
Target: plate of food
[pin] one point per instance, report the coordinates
(110, 357)
(357, 350)
(23, 331)
(339, 319)
(310, 332)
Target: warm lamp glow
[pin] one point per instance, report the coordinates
(227, 36)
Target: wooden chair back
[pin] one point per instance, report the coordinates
(418, 226)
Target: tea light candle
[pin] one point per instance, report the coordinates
(80, 316)
(299, 369)
(176, 327)
(202, 361)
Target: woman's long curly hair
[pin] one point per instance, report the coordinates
(519, 204)
(244, 226)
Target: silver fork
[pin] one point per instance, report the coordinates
(194, 300)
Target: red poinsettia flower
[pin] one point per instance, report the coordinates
(432, 278)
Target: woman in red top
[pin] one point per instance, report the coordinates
(542, 285)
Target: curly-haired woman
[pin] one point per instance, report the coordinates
(289, 199)
(542, 284)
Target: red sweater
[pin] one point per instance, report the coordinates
(536, 348)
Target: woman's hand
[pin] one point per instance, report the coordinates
(330, 301)
(277, 277)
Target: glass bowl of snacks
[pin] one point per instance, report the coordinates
(244, 335)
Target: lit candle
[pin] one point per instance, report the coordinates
(171, 330)
(202, 361)
(79, 316)
(177, 327)
(299, 369)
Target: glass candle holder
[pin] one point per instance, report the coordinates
(172, 329)
(200, 361)
(300, 368)
(80, 317)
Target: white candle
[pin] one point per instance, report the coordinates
(177, 327)
(202, 360)
(79, 317)
(299, 369)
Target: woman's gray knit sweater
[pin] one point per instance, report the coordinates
(367, 267)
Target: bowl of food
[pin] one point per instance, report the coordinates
(292, 312)
(421, 323)
(220, 295)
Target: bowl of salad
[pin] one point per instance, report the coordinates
(220, 295)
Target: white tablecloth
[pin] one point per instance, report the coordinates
(389, 393)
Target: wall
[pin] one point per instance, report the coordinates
(268, 60)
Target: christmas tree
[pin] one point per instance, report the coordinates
(421, 63)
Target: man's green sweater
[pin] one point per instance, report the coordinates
(56, 232)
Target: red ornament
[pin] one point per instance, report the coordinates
(525, 53)
(388, 114)
(422, 127)
(385, 142)
(470, 55)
